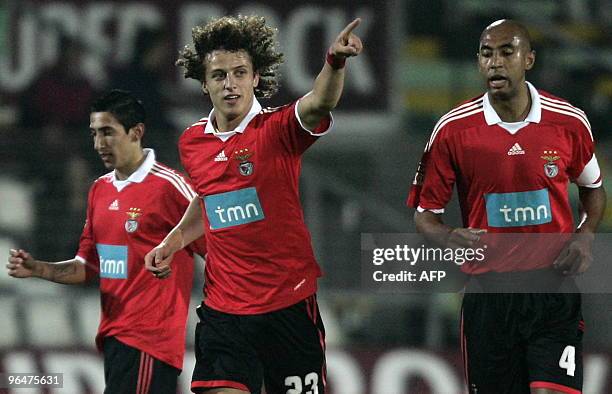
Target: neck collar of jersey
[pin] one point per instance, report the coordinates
(534, 115)
(141, 172)
(210, 129)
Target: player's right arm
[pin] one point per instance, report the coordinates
(21, 264)
(190, 228)
(434, 229)
(430, 192)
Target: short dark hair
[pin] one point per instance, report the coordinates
(128, 110)
(248, 33)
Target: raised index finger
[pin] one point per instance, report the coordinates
(349, 28)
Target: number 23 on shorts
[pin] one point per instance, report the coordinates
(296, 387)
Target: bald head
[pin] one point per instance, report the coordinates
(509, 27)
(504, 56)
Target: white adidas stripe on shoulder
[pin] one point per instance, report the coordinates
(566, 106)
(108, 177)
(463, 107)
(200, 122)
(566, 103)
(455, 111)
(178, 177)
(464, 113)
(269, 110)
(175, 179)
(568, 112)
(477, 100)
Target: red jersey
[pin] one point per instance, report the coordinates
(259, 253)
(510, 177)
(125, 220)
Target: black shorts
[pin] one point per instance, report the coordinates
(130, 371)
(512, 342)
(282, 350)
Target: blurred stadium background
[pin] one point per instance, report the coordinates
(419, 61)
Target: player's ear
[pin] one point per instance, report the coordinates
(204, 88)
(256, 79)
(137, 132)
(530, 60)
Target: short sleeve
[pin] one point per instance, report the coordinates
(294, 136)
(87, 253)
(583, 168)
(433, 183)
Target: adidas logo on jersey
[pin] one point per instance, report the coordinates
(516, 150)
(221, 156)
(114, 206)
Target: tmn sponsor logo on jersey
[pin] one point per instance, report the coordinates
(113, 261)
(518, 209)
(516, 150)
(233, 208)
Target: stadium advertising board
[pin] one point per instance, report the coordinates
(108, 31)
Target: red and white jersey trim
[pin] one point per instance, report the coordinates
(591, 175)
(564, 108)
(175, 179)
(201, 122)
(80, 259)
(460, 112)
(225, 135)
(437, 211)
(297, 116)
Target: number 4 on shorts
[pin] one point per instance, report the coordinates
(568, 360)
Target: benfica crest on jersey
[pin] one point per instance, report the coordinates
(245, 167)
(131, 224)
(550, 168)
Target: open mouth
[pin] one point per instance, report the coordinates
(231, 98)
(106, 157)
(497, 81)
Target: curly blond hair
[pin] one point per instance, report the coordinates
(248, 33)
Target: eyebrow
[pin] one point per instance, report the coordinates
(502, 46)
(104, 128)
(223, 70)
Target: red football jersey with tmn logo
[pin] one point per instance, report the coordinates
(125, 220)
(260, 256)
(511, 178)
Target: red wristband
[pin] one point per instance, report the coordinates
(336, 62)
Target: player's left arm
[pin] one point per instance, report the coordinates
(577, 256)
(329, 84)
(591, 208)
